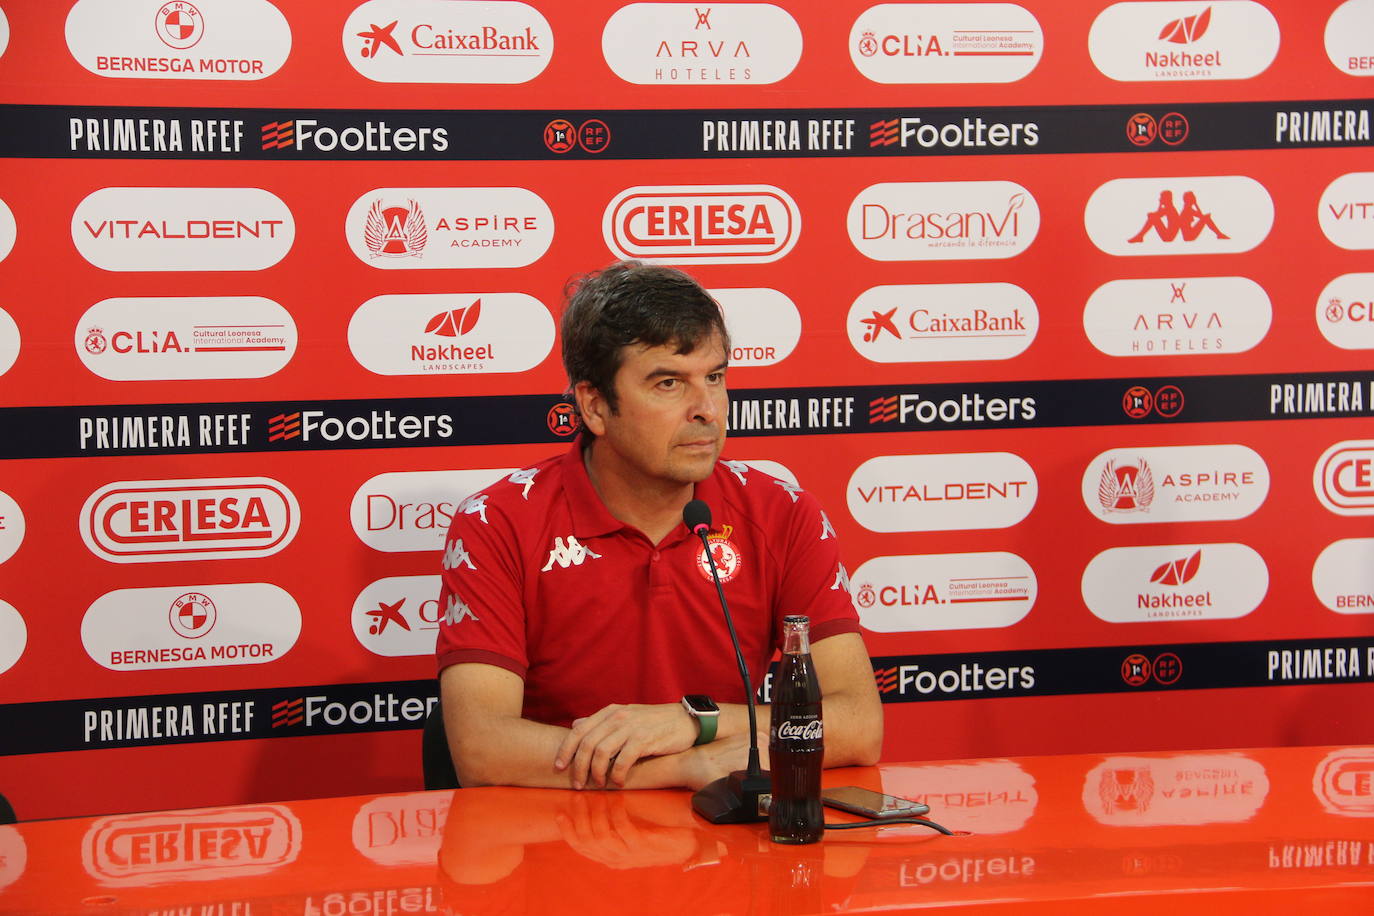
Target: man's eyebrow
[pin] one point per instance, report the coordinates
(665, 372)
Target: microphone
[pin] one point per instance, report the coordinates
(740, 797)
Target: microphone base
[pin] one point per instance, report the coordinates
(734, 799)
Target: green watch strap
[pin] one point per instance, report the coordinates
(707, 726)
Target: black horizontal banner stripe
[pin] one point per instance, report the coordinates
(285, 712)
(203, 428)
(285, 135)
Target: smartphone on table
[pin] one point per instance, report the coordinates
(872, 804)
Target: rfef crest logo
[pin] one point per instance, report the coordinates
(702, 224)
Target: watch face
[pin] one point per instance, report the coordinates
(700, 703)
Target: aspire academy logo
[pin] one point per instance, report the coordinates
(438, 228)
(395, 231)
(1175, 484)
(702, 224)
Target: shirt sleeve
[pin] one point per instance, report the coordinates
(814, 581)
(481, 599)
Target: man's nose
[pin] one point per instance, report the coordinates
(705, 404)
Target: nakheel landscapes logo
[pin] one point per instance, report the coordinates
(1175, 582)
(1169, 41)
(450, 334)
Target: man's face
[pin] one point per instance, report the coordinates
(670, 420)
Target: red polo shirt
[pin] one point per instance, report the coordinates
(540, 579)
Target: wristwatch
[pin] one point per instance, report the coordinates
(706, 712)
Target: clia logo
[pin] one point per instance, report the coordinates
(950, 591)
(1186, 215)
(903, 43)
(702, 224)
(1345, 312)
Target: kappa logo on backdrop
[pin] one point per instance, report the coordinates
(1218, 214)
(703, 224)
(1168, 222)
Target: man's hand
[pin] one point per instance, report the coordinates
(721, 757)
(602, 747)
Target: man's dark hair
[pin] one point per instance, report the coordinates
(627, 303)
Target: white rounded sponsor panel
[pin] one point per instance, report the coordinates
(9, 341)
(447, 41)
(678, 44)
(11, 526)
(179, 39)
(450, 333)
(14, 636)
(1342, 782)
(1347, 38)
(771, 468)
(1185, 483)
(991, 797)
(4, 44)
(764, 325)
(946, 43)
(1181, 789)
(950, 492)
(1345, 214)
(397, 830)
(943, 220)
(1343, 576)
(210, 844)
(1184, 316)
(14, 854)
(1182, 40)
(1175, 582)
(432, 228)
(946, 591)
(1345, 312)
(221, 518)
(702, 224)
(192, 626)
(127, 229)
(398, 615)
(1212, 214)
(9, 230)
(200, 337)
(411, 510)
(938, 322)
(1344, 477)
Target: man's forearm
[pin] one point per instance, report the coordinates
(853, 734)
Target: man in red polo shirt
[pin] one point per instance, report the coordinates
(579, 611)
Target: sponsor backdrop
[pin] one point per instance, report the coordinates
(1065, 312)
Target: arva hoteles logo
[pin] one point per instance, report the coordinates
(1183, 40)
(1213, 214)
(1183, 316)
(702, 224)
(659, 44)
(1175, 582)
(432, 228)
(945, 43)
(440, 41)
(943, 220)
(1175, 484)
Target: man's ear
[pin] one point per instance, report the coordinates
(592, 405)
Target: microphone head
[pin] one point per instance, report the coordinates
(696, 515)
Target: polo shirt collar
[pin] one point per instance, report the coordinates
(590, 516)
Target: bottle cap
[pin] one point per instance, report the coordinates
(797, 620)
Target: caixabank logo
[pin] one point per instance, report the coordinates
(398, 615)
(946, 43)
(450, 334)
(664, 44)
(1177, 316)
(440, 41)
(1183, 40)
(436, 228)
(1175, 582)
(938, 322)
(702, 224)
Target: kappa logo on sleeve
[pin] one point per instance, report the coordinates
(456, 555)
(568, 553)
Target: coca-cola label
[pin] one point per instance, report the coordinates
(791, 730)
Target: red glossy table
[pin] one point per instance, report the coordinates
(1277, 830)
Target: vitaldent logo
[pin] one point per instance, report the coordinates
(1175, 582)
(185, 338)
(1345, 312)
(702, 224)
(442, 41)
(941, 492)
(412, 510)
(1216, 214)
(1177, 789)
(398, 615)
(1189, 483)
(992, 797)
(433, 228)
(450, 334)
(942, 220)
(1344, 478)
(193, 626)
(1167, 41)
(1343, 576)
(949, 591)
(210, 844)
(11, 526)
(937, 322)
(1347, 37)
(1346, 211)
(946, 43)
(204, 40)
(666, 44)
(1184, 316)
(764, 325)
(126, 229)
(14, 636)
(149, 521)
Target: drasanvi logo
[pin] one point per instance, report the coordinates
(948, 591)
(994, 796)
(1343, 576)
(1175, 582)
(943, 220)
(9, 341)
(398, 615)
(1185, 316)
(397, 830)
(952, 492)
(412, 510)
(1182, 789)
(192, 626)
(1185, 483)
(764, 325)
(185, 338)
(128, 229)
(11, 526)
(14, 636)
(179, 39)
(208, 844)
(678, 44)
(702, 224)
(946, 43)
(1345, 312)
(9, 230)
(447, 41)
(151, 521)
(450, 334)
(1188, 40)
(1347, 37)
(1344, 478)
(1344, 782)
(1346, 211)
(434, 228)
(938, 322)
(1214, 214)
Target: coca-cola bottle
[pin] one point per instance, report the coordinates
(796, 742)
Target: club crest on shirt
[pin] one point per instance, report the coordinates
(724, 552)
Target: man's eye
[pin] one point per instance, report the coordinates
(715, 378)
(668, 383)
